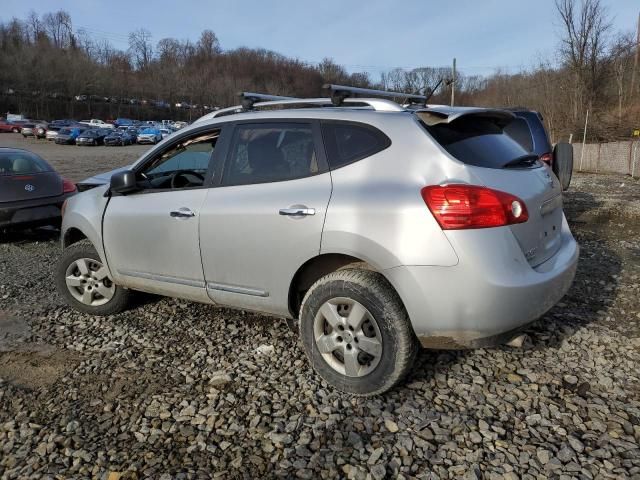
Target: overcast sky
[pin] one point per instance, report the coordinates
(368, 35)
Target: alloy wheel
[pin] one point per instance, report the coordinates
(348, 337)
(88, 282)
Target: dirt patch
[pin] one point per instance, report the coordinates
(38, 366)
(13, 330)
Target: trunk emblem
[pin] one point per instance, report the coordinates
(29, 188)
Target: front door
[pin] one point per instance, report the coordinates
(265, 219)
(151, 236)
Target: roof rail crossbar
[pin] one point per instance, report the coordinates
(339, 93)
(249, 99)
(377, 104)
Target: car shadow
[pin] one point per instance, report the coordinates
(30, 235)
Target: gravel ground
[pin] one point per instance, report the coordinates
(171, 389)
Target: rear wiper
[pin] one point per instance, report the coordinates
(527, 160)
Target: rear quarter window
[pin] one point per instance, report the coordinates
(21, 163)
(348, 142)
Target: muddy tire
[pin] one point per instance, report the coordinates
(84, 283)
(356, 332)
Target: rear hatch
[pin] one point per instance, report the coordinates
(24, 176)
(477, 139)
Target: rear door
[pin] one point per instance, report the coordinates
(500, 162)
(265, 219)
(25, 176)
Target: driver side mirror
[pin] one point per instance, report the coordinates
(124, 182)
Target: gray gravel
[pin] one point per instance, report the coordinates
(172, 389)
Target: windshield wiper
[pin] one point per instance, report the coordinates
(527, 160)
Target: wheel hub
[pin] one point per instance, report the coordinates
(348, 337)
(88, 282)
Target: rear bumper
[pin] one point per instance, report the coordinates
(488, 296)
(41, 211)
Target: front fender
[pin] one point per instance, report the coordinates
(84, 212)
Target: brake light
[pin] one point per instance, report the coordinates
(546, 158)
(68, 186)
(458, 206)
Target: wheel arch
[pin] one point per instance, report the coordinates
(319, 266)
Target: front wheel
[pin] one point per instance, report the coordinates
(84, 282)
(356, 332)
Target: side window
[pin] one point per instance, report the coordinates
(349, 142)
(518, 129)
(273, 152)
(183, 165)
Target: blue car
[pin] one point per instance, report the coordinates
(67, 136)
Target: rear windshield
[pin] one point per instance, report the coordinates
(19, 163)
(481, 142)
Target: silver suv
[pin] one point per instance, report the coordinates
(381, 227)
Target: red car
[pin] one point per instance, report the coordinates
(8, 127)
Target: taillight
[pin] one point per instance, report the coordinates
(68, 186)
(458, 206)
(546, 158)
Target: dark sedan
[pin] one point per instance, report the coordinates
(120, 138)
(31, 191)
(94, 136)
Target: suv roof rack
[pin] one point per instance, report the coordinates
(250, 101)
(339, 93)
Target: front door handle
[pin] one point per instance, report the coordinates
(297, 211)
(182, 212)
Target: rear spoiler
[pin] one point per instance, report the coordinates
(440, 114)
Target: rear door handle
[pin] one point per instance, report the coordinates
(297, 211)
(182, 212)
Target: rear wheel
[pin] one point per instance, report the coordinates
(84, 282)
(356, 332)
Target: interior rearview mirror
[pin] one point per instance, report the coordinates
(124, 182)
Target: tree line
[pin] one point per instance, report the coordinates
(45, 63)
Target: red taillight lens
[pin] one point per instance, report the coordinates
(546, 158)
(457, 207)
(68, 186)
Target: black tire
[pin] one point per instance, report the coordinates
(85, 249)
(399, 344)
(563, 163)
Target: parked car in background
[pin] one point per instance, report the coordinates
(528, 130)
(27, 130)
(149, 136)
(6, 127)
(92, 136)
(41, 130)
(120, 138)
(17, 125)
(31, 192)
(165, 132)
(95, 123)
(68, 135)
(52, 132)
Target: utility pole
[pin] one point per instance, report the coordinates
(453, 83)
(635, 61)
(584, 138)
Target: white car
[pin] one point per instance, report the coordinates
(95, 123)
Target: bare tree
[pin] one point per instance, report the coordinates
(140, 47)
(583, 46)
